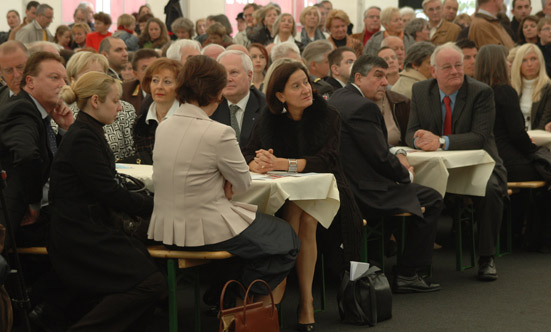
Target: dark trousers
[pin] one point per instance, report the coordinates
(489, 214)
(130, 310)
(421, 232)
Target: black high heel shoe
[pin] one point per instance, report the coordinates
(308, 327)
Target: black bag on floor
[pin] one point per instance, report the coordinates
(367, 300)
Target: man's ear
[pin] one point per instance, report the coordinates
(334, 70)
(433, 71)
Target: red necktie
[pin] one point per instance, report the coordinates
(448, 118)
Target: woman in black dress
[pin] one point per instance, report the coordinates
(99, 263)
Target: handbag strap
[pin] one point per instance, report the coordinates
(125, 178)
(224, 292)
(247, 297)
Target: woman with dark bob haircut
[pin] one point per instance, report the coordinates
(299, 132)
(197, 168)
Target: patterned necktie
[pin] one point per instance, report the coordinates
(233, 120)
(448, 118)
(52, 143)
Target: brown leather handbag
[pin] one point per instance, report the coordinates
(250, 317)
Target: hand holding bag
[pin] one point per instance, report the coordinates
(367, 300)
(250, 317)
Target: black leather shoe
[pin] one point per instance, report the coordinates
(413, 284)
(487, 269)
(306, 327)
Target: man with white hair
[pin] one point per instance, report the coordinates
(183, 49)
(242, 102)
(38, 29)
(455, 112)
(212, 51)
(315, 57)
(441, 31)
(285, 50)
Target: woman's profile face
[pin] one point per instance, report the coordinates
(530, 67)
(107, 110)
(297, 92)
(163, 86)
(258, 59)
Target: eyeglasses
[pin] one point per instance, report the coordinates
(10, 71)
(446, 68)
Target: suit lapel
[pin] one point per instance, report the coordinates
(460, 101)
(249, 117)
(435, 109)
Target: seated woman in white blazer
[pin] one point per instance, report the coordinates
(197, 167)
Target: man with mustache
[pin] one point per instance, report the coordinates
(455, 112)
(380, 175)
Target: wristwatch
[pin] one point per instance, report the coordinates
(442, 142)
(401, 151)
(292, 165)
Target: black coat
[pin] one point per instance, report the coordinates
(315, 138)
(256, 102)
(24, 154)
(86, 249)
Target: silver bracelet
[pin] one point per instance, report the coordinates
(292, 165)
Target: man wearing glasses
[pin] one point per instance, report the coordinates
(13, 56)
(37, 30)
(455, 112)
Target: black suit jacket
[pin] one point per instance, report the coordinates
(256, 102)
(4, 95)
(473, 118)
(379, 181)
(333, 82)
(24, 154)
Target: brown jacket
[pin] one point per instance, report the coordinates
(400, 109)
(353, 43)
(446, 32)
(132, 93)
(487, 30)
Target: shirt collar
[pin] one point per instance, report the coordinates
(482, 11)
(152, 114)
(453, 96)
(243, 102)
(41, 109)
(357, 87)
(11, 93)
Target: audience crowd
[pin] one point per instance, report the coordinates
(206, 105)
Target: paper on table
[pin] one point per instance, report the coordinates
(121, 166)
(357, 270)
(277, 175)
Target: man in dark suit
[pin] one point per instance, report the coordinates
(340, 62)
(28, 143)
(455, 112)
(13, 55)
(242, 102)
(132, 91)
(380, 175)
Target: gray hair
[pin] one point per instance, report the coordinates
(278, 20)
(184, 23)
(174, 51)
(317, 50)
(209, 46)
(446, 46)
(245, 59)
(385, 41)
(364, 64)
(281, 50)
(414, 26)
(368, 9)
(417, 53)
(41, 9)
(42, 46)
(407, 10)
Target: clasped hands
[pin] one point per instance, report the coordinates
(264, 161)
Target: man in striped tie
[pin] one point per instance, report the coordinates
(37, 30)
(455, 112)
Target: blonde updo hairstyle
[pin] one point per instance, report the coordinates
(88, 85)
(81, 60)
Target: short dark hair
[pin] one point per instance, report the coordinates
(277, 83)
(161, 64)
(105, 44)
(32, 4)
(223, 19)
(103, 17)
(201, 81)
(32, 67)
(335, 57)
(515, 1)
(249, 5)
(14, 11)
(143, 53)
(364, 64)
(466, 43)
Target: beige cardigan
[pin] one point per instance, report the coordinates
(192, 157)
(407, 78)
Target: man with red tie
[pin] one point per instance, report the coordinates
(455, 112)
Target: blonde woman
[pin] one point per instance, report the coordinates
(119, 276)
(285, 28)
(529, 79)
(336, 23)
(391, 21)
(310, 18)
(263, 33)
(119, 133)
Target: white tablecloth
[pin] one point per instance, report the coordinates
(459, 172)
(316, 194)
(540, 137)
